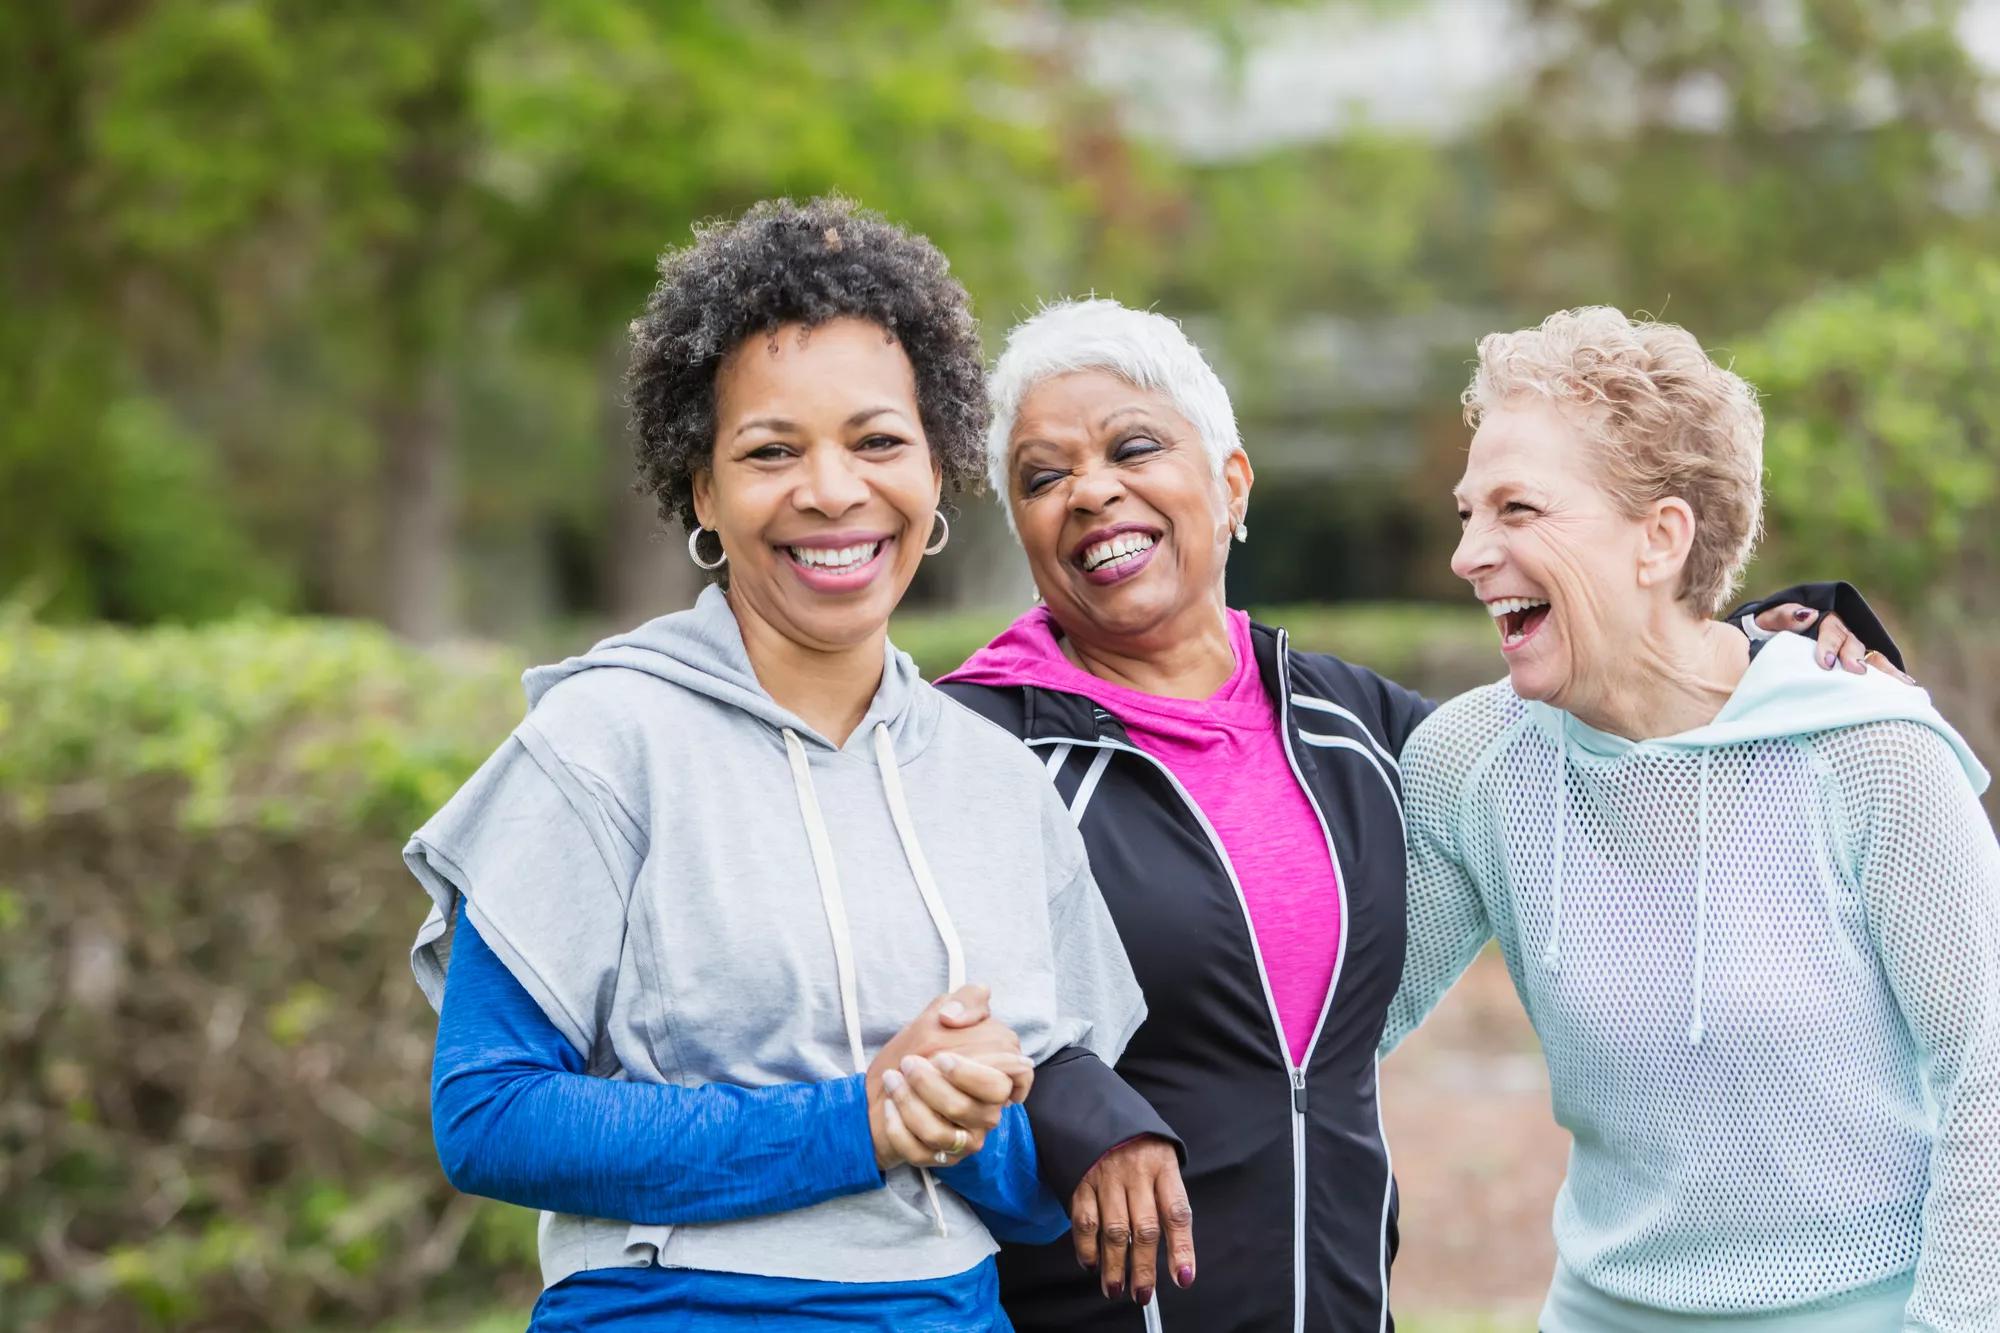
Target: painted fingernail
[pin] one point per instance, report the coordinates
(1114, 1289)
(1826, 659)
(952, 1009)
(945, 1060)
(892, 1080)
(1184, 1276)
(1143, 1295)
(1802, 615)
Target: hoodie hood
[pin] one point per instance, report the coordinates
(1785, 693)
(701, 649)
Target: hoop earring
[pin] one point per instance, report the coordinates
(939, 542)
(694, 554)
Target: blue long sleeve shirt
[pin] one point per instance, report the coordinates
(516, 1118)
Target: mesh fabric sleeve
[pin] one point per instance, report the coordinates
(1928, 868)
(1447, 921)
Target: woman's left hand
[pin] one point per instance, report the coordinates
(1121, 1208)
(1837, 644)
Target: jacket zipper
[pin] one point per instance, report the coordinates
(1297, 1072)
(1326, 1006)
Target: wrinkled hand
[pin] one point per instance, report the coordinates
(1121, 1209)
(935, 1071)
(1837, 643)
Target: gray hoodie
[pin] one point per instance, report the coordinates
(696, 887)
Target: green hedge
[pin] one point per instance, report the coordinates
(213, 1065)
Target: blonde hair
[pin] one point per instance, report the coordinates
(1663, 420)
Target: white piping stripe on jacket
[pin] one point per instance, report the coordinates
(835, 906)
(1344, 743)
(1322, 706)
(1088, 787)
(1058, 758)
(1388, 1193)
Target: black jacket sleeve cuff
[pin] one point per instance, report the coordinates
(1079, 1110)
(1838, 599)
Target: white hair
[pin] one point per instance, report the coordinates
(1145, 349)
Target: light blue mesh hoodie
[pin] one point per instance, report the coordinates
(1763, 959)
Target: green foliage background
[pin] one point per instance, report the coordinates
(311, 320)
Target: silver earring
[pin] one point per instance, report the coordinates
(694, 553)
(938, 542)
(1242, 532)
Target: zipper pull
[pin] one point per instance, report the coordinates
(1299, 1091)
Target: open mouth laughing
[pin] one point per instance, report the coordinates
(1517, 619)
(1110, 555)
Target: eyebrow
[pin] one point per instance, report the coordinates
(786, 423)
(1131, 410)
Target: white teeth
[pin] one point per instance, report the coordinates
(1509, 605)
(839, 557)
(1124, 544)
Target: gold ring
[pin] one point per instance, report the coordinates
(958, 1142)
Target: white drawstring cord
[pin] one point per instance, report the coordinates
(1697, 1021)
(835, 906)
(830, 899)
(1552, 949)
(913, 852)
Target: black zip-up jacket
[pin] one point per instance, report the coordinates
(1286, 1168)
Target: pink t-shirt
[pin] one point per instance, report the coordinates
(1227, 752)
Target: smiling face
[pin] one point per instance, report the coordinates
(1125, 523)
(1566, 574)
(822, 485)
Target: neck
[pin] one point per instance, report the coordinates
(1188, 658)
(1675, 677)
(830, 689)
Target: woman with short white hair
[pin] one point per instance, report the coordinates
(1240, 804)
(1752, 908)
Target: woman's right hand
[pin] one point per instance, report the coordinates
(942, 1082)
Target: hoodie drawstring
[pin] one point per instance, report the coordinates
(1697, 1023)
(835, 906)
(1552, 949)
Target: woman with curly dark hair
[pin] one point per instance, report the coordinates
(714, 930)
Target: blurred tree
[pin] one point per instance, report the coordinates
(1883, 437)
(322, 236)
(1711, 162)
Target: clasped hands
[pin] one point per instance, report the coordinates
(941, 1084)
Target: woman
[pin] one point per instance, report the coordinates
(693, 920)
(1752, 909)
(1240, 802)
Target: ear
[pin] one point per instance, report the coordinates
(1237, 478)
(1666, 537)
(704, 496)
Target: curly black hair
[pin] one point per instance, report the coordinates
(786, 263)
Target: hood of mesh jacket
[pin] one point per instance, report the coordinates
(1786, 693)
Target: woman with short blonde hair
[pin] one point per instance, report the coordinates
(1752, 907)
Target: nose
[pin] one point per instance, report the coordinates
(1478, 552)
(832, 484)
(1092, 489)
